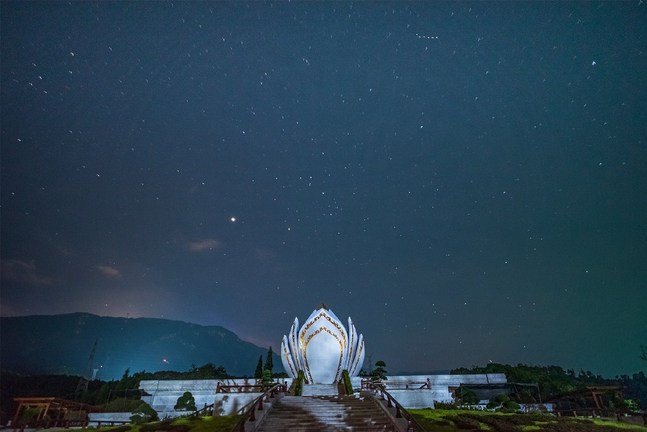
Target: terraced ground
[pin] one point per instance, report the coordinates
(463, 420)
(432, 420)
(186, 424)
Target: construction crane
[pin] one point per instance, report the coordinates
(88, 374)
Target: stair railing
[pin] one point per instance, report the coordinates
(203, 412)
(378, 388)
(249, 414)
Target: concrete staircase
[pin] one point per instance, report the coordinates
(325, 413)
(320, 390)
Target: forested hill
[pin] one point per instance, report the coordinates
(61, 344)
(554, 380)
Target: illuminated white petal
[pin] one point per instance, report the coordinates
(286, 358)
(358, 358)
(352, 345)
(294, 345)
(322, 348)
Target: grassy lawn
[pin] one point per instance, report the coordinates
(208, 424)
(464, 420)
(432, 420)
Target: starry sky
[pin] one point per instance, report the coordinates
(467, 181)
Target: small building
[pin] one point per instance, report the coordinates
(524, 392)
(45, 412)
(592, 400)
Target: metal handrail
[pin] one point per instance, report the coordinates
(243, 388)
(400, 411)
(203, 412)
(257, 404)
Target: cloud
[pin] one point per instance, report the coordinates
(203, 245)
(266, 256)
(22, 271)
(109, 272)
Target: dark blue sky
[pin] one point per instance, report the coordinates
(468, 181)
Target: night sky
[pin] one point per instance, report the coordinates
(467, 181)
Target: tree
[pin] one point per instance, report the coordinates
(503, 403)
(267, 377)
(127, 382)
(126, 374)
(186, 402)
(210, 371)
(269, 362)
(643, 353)
(259, 368)
(468, 397)
(379, 373)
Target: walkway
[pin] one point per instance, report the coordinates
(325, 414)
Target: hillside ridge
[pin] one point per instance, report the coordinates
(61, 344)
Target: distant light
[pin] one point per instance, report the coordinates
(232, 219)
(593, 63)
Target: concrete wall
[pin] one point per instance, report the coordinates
(448, 380)
(412, 399)
(106, 418)
(252, 381)
(408, 392)
(164, 394)
(406, 389)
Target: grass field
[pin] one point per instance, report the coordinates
(464, 420)
(432, 420)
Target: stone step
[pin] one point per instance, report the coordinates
(320, 390)
(325, 413)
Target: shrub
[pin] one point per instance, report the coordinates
(298, 388)
(143, 413)
(186, 402)
(348, 385)
(503, 403)
(469, 397)
(510, 407)
(444, 405)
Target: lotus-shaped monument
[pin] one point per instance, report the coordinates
(322, 348)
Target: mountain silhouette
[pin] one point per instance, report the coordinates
(61, 344)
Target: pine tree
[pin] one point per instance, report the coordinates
(259, 368)
(269, 363)
(379, 373)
